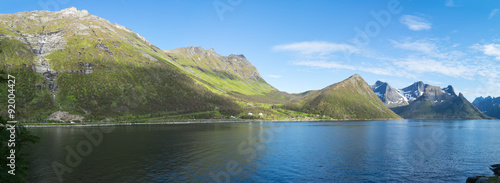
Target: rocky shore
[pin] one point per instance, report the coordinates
(487, 179)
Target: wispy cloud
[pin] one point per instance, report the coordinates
(422, 45)
(489, 49)
(316, 47)
(415, 23)
(493, 13)
(449, 3)
(388, 71)
(429, 48)
(325, 65)
(275, 76)
(422, 65)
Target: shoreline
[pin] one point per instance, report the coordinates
(178, 122)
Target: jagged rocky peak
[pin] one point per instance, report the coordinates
(390, 96)
(72, 11)
(413, 91)
(450, 90)
(378, 84)
(193, 50)
(238, 58)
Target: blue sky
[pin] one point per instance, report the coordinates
(303, 45)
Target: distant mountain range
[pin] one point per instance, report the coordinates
(424, 101)
(489, 106)
(73, 65)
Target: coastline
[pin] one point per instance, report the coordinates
(177, 122)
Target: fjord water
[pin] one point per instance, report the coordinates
(363, 151)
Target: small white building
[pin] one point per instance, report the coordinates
(250, 114)
(260, 114)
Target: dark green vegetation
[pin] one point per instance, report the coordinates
(7, 145)
(349, 99)
(23, 138)
(437, 103)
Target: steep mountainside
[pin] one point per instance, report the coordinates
(389, 95)
(437, 103)
(489, 106)
(73, 61)
(413, 91)
(348, 99)
(233, 75)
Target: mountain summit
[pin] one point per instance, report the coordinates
(348, 99)
(432, 102)
(390, 96)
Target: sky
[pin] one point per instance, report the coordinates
(305, 45)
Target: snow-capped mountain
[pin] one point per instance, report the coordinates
(389, 95)
(413, 91)
(424, 101)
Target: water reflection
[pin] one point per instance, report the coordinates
(379, 151)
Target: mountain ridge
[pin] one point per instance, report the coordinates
(489, 105)
(85, 65)
(389, 95)
(433, 102)
(351, 98)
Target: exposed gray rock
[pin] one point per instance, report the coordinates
(64, 116)
(390, 96)
(148, 56)
(72, 12)
(103, 46)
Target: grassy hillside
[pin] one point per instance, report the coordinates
(76, 62)
(231, 75)
(349, 99)
(79, 63)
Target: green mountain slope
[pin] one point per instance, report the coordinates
(437, 103)
(77, 62)
(231, 75)
(348, 99)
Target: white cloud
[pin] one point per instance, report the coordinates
(489, 49)
(415, 23)
(316, 47)
(389, 71)
(449, 3)
(423, 46)
(325, 65)
(430, 48)
(275, 76)
(493, 13)
(422, 65)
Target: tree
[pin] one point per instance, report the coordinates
(23, 137)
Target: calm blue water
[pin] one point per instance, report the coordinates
(368, 151)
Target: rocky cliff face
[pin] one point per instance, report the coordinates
(413, 91)
(389, 95)
(438, 103)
